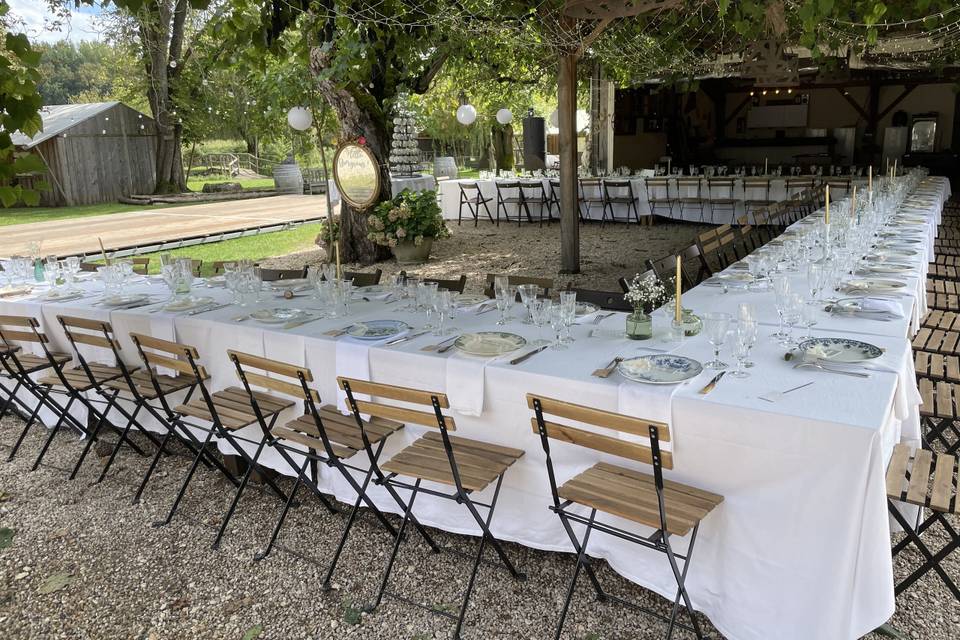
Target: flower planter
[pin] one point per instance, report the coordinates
(639, 326)
(407, 252)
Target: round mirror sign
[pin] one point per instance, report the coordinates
(357, 175)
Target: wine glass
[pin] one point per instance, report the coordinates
(505, 297)
(442, 305)
(746, 338)
(747, 313)
(792, 312)
(781, 289)
(716, 325)
(568, 305)
(528, 293)
(540, 314)
(814, 279)
(809, 315)
(557, 323)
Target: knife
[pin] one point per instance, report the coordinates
(528, 354)
(410, 336)
(710, 385)
(207, 308)
(297, 323)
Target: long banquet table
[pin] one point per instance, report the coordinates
(450, 199)
(800, 547)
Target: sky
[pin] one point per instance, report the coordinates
(34, 13)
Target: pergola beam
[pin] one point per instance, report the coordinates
(567, 115)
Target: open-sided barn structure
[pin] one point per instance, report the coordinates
(94, 152)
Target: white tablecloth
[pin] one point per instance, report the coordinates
(450, 200)
(800, 547)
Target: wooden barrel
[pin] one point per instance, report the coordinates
(287, 178)
(445, 167)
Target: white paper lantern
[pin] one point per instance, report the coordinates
(299, 118)
(466, 114)
(504, 116)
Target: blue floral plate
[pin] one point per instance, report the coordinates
(839, 349)
(661, 368)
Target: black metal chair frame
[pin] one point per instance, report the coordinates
(222, 432)
(659, 540)
(693, 203)
(722, 203)
(534, 194)
(519, 200)
(329, 458)
(553, 199)
(473, 205)
(460, 495)
(584, 201)
(629, 200)
(653, 201)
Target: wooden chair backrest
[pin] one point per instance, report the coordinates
(607, 300)
(469, 186)
(140, 265)
(170, 355)
(379, 392)
(96, 333)
(456, 286)
(689, 181)
(271, 369)
(272, 275)
(756, 183)
(89, 266)
(721, 183)
(799, 183)
(603, 443)
(665, 269)
(361, 279)
(693, 254)
(544, 283)
(20, 329)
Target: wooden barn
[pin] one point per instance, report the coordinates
(94, 152)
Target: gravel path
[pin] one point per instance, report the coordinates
(85, 563)
(606, 254)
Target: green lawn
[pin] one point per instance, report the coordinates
(196, 183)
(252, 248)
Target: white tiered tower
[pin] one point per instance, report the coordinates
(404, 153)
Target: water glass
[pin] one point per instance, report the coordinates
(505, 298)
(814, 279)
(426, 293)
(716, 325)
(443, 305)
(746, 338)
(557, 323)
(809, 315)
(540, 311)
(781, 289)
(528, 293)
(792, 314)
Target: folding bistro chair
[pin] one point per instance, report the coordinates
(469, 466)
(456, 286)
(618, 192)
(534, 194)
(553, 198)
(363, 279)
(606, 300)
(322, 435)
(273, 275)
(665, 269)
(940, 411)
(76, 382)
(472, 198)
(909, 480)
(696, 202)
(721, 197)
(756, 194)
(18, 369)
(669, 508)
(515, 280)
(510, 192)
(589, 193)
(227, 411)
(654, 187)
(156, 354)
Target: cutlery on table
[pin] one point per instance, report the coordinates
(409, 336)
(602, 316)
(485, 308)
(773, 396)
(822, 367)
(242, 318)
(207, 308)
(607, 370)
(713, 383)
(338, 332)
(447, 347)
(529, 354)
(436, 347)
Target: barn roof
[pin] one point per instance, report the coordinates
(57, 118)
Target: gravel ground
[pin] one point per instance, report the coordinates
(605, 254)
(85, 563)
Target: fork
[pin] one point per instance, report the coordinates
(606, 371)
(436, 347)
(601, 317)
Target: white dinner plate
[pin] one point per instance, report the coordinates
(277, 315)
(124, 299)
(873, 285)
(489, 343)
(185, 304)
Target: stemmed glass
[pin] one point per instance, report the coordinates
(528, 293)
(792, 314)
(443, 305)
(557, 323)
(716, 325)
(426, 293)
(568, 306)
(781, 289)
(540, 311)
(746, 313)
(746, 338)
(814, 279)
(808, 317)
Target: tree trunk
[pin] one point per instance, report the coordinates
(170, 178)
(361, 117)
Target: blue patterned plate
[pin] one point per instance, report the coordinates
(661, 368)
(377, 329)
(839, 349)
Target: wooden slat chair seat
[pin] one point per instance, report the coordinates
(33, 364)
(937, 341)
(926, 479)
(465, 464)
(633, 495)
(669, 508)
(78, 379)
(939, 413)
(946, 272)
(948, 287)
(143, 382)
(944, 320)
(233, 407)
(342, 431)
(363, 279)
(943, 301)
(479, 463)
(937, 366)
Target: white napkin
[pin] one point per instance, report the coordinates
(465, 383)
(879, 305)
(647, 401)
(352, 361)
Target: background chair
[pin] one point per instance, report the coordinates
(472, 198)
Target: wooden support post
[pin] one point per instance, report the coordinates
(569, 218)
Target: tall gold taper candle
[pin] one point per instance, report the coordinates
(853, 203)
(764, 166)
(895, 167)
(336, 250)
(826, 217)
(870, 183)
(677, 312)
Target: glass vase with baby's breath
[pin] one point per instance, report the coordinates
(645, 293)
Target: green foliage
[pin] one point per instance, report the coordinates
(410, 215)
(19, 110)
(92, 72)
